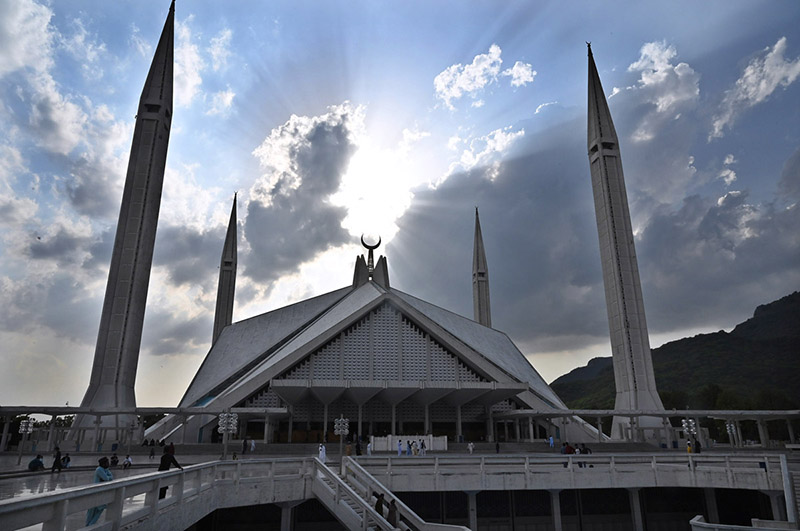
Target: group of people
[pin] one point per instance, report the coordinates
(59, 462)
(380, 501)
(412, 448)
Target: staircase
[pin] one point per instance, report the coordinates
(349, 507)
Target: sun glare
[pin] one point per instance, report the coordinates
(376, 190)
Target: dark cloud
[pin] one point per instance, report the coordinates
(89, 189)
(189, 256)
(290, 220)
(64, 247)
(165, 333)
(537, 219)
(704, 262)
(789, 185)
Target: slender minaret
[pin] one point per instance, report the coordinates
(226, 289)
(630, 346)
(117, 352)
(480, 278)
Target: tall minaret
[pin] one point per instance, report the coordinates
(630, 346)
(480, 278)
(226, 289)
(117, 353)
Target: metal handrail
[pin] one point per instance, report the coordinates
(404, 512)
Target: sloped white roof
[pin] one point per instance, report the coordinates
(494, 345)
(242, 344)
(354, 302)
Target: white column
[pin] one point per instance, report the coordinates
(555, 508)
(472, 509)
(4, 439)
(394, 419)
(788, 427)
(489, 425)
(360, 416)
(739, 439)
(636, 508)
(185, 433)
(51, 433)
(291, 426)
(426, 428)
(776, 499)
(266, 429)
(763, 433)
(599, 429)
(459, 431)
(711, 506)
(531, 427)
(324, 422)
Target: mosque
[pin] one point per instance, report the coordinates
(388, 361)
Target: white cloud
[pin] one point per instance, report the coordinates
(670, 88)
(188, 66)
(136, 42)
(666, 85)
(762, 76)
(26, 38)
(57, 121)
(541, 107)
(86, 49)
(220, 49)
(221, 102)
(727, 174)
(458, 80)
(485, 151)
(521, 74)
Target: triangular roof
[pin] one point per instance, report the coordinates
(488, 351)
(245, 343)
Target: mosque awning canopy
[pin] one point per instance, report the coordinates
(393, 392)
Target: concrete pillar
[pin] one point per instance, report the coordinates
(185, 434)
(505, 429)
(394, 419)
(555, 509)
(287, 514)
(700, 436)
(489, 425)
(516, 430)
(788, 427)
(324, 422)
(531, 427)
(266, 429)
(96, 432)
(291, 427)
(360, 418)
(472, 509)
(763, 433)
(711, 506)
(776, 501)
(739, 439)
(51, 434)
(459, 431)
(4, 439)
(636, 508)
(426, 427)
(599, 429)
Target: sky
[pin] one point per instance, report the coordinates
(337, 119)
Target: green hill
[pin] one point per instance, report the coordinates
(755, 366)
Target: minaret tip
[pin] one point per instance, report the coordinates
(172, 6)
(589, 46)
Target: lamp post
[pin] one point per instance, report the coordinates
(25, 427)
(730, 426)
(228, 423)
(689, 427)
(341, 427)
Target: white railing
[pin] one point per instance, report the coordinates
(135, 501)
(347, 505)
(366, 485)
(576, 471)
(698, 523)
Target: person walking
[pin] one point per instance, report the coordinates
(470, 447)
(101, 474)
(323, 453)
(56, 461)
(379, 504)
(167, 460)
(392, 518)
(399, 448)
(252, 446)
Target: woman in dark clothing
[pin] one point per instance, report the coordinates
(392, 518)
(167, 460)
